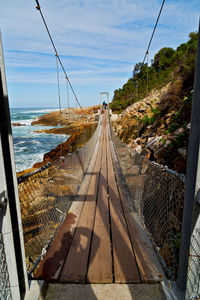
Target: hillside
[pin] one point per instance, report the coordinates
(156, 121)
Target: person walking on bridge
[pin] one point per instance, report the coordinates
(104, 104)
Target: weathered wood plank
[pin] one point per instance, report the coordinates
(75, 267)
(52, 263)
(148, 265)
(125, 267)
(100, 265)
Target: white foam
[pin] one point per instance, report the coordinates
(26, 122)
(46, 110)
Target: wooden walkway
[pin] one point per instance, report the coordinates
(97, 243)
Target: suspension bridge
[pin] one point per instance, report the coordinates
(101, 214)
(97, 242)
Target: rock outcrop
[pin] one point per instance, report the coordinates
(76, 140)
(158, 126)
(18, 124)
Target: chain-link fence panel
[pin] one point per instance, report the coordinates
(5, 291)
(46, 195)
(158, 197)
(193, 275)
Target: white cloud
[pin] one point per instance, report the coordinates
(98, 39)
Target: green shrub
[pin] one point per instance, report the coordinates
(180, 140)
(172, 127)
(148, 120)
(167, 65)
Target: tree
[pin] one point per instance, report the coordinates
(163, 59)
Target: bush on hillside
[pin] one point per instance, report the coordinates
(168, 65)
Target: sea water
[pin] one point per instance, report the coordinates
(29, 146)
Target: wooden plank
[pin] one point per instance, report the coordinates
(75, 267)
(125, 267)
(147, 261)
(100, 264)
(52, 263)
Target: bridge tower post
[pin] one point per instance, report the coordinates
(13, 272)
(189, 274)
(10, 218)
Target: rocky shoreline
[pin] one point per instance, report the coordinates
(73, 122)
(47, 189)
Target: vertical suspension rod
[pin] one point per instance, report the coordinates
(58, 82)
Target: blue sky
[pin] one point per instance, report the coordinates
(99, 42)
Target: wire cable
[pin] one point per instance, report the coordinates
(147, 52)
(38, 7)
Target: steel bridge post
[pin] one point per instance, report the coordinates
(191, 208)
(10, 217)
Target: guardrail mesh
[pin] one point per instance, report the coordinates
(46, 196)
(158, 197)
(193, 276)
(5, 291)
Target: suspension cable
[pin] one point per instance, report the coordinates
(57, 55)
(146, 53)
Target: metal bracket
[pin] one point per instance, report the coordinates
(3, 199)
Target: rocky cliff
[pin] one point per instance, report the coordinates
(155, 105)
(158, 126)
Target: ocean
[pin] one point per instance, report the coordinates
(29, 146)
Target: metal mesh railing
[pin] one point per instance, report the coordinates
(5, 291)
(46, 195)
(193, 276)
(158, 197)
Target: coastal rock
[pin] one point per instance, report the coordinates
(76, 140)
(18, 124)
(167, 143)
(172, 138)
(133, 170)
(66, 115)
(159, 122)
(159, 154)
(179, 131)
(188, 126)
(152, 142)
(182, 152)
(137, 141)
(138, 149)
(180, 163)
(165, 251)
(146, 153)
